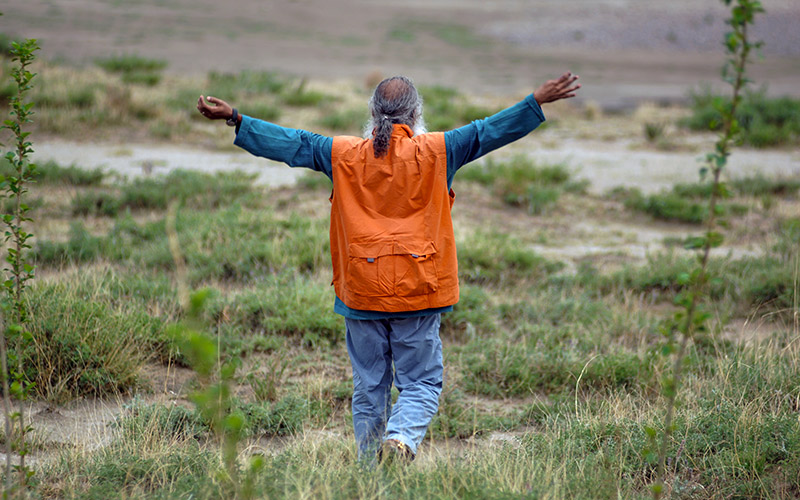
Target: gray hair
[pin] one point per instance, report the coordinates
(395, 100)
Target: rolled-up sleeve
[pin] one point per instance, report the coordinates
(295, 147)
(480, 137)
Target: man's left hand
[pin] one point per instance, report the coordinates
(555, 90)
(216, 110)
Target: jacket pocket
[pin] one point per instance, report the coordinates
(384, 268)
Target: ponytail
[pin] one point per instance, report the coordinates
(395, 101)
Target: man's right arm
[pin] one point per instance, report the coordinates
(295, 147)
(472, 141)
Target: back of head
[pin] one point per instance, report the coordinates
(395, 100)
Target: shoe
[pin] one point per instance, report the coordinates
(394, 451)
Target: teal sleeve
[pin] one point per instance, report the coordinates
(295, 147)
(480, 137)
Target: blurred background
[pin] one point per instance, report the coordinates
(625, 50)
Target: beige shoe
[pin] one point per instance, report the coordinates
(394, 451)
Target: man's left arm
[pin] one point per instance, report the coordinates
(480, 137)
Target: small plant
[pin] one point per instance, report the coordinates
(653, 131)
(214, 398)
(265, 382)
(692, 320)
(18, 271)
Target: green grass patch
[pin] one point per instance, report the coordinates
(193, 189)
(288, 305)
(134, 69)
(520, 182)
(765, 121)
(759, 185)
(686, 203)
(246, 82)
(497, 258)
(225, 245)
(346, 120)
(52, 173)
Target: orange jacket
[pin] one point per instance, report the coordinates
(392, 242)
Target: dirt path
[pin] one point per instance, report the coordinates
(604, 164)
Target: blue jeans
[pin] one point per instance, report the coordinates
(414, 346)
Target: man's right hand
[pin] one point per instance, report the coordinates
(220, 110)
(554, 90)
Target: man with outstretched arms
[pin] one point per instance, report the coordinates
(392, 246)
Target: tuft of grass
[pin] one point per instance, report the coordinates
(313, 181)
(195, 189)
(81, 347)
(498, 368)
(224, 245)
(261, 110)
(473, 315)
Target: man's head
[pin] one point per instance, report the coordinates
(395, 100)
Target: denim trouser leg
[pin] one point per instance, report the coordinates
(368, 346)
(414, 346)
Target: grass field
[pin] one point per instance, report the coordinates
(553, 357)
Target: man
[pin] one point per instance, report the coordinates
(392, 244)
